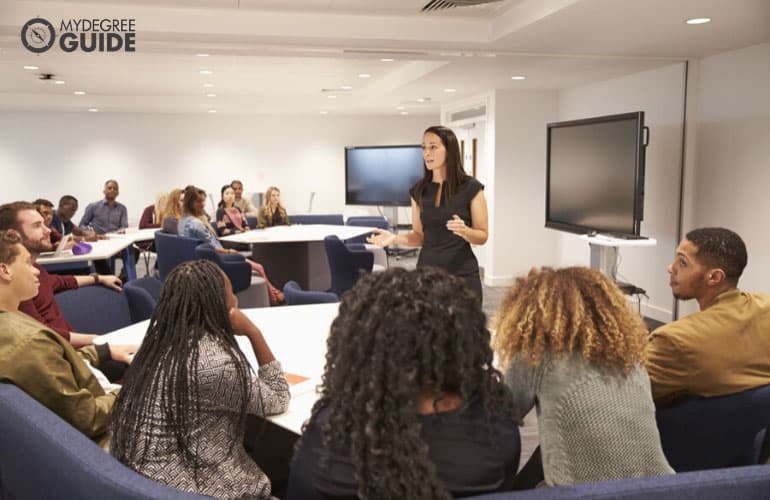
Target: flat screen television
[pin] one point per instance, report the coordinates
(595, 175)
(382, 175)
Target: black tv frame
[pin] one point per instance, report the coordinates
(375, 204)
(642, 141)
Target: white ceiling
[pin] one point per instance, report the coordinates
(288, 56)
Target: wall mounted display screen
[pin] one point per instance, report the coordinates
(595, 175)
(382, 175)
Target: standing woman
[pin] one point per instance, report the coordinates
(230, 219)
(272, 212)
(449, 212)
(180, 417)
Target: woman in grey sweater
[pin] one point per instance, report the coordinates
(572, 346)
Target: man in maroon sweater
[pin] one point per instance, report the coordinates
(36, 238)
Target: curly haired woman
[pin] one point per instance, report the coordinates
(411, 406)
(574, 347)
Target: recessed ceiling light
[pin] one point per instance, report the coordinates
(324, 112)
(212, 111)
(387, 59)
(346, 87)
(31, 67)
(93, 110)
(364, 75)
(202, 54)
(699, 20)
(59, 82)
(211, 95)
(206, 72)
(518, 77)
(80, 92)
(404, 113)
(421, 99)
(400, 107)
(208, 85)
(332, 96)
(449, 91)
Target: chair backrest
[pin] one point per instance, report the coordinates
(234, 265)
(345, 265)
(172, 250)
(42, 456)
(149, 284)
(366, 221)
(295, 296)
(718, 484)
(253, 222)
(708, 433)
(332, 219)
(98, 309)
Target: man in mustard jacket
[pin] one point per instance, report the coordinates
(725, 347)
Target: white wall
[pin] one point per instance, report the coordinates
(51, 154)
(660, 94)
(518, 237)
(733, 153)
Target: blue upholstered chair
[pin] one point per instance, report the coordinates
(98, 309)
(708, 433)
(250, 289)
(332, 219)
(172, 250)
(44, 457)
(295, 296)
(345, 264)
(366, 221)
(253, 223)
(717, 484)
(149, 284)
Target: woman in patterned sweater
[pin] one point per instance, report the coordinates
(573, 347)
(180, 417)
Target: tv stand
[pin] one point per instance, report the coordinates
(395, 250)
(604, 254)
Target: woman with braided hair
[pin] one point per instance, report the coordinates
(573, 347)
(410, 406)
(180, 416)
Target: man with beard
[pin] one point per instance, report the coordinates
(725, 347)
(36, 238)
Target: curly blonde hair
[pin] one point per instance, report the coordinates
(573, 309)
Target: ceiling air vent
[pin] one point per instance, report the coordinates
(451, 4)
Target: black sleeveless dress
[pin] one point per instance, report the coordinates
(442, 248)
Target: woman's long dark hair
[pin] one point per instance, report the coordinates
(165, 369)
(455, 175)
(222, 195)
(397, 334)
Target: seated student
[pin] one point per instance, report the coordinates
(61, 220)
(152, 217)
(35, 236)
(195, 224)
(230, 219)
(246, 206)
(41, 362)
(411, 406)
(272, 212)
(180, 417)
(107, 215)
(725, 347)
(45, 209)
(173, 211)
(573, 347)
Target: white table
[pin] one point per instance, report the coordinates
(135, 234)
(295, 252)
(101, 250)
(297, 336)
